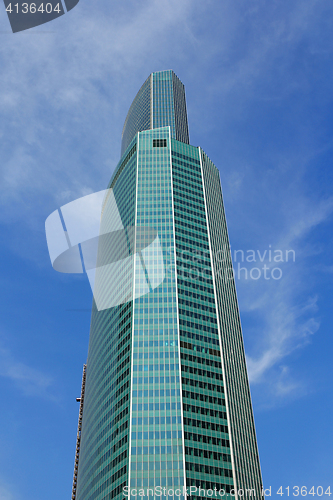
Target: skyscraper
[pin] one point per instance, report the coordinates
(166, 400)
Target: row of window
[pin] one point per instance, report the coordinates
(111, 479)
(181, 209)
(156, 420)
(155, 380)
(197, 274)
(160, 465)
(194, 224)
(110, 387)
(189, 195)
(205, 411)
(200, 361)
(118, 474)
(159, 143)
(119, 444)
(209, 454)
(185, 291)
(115, 433)
(111, 464)
(157, 300)
(182, 234)
(188, 178)
(197, 229)
(184, 157)
(197, 326)
(157, 435)
(202, 424)
(156, 450)
(119, 391)
(119, 379)
(155, 367)
(151, 321)
(154, 311)
(113, 316)
(123, 321)
(120, 403)
(162, 481)
(116, 491)
(201, 338)
(155, 343)
(195, 286)
(111, 348)
(110, 425)
(181, 240)
(198, 315)
(201, 438)
(102, 366)
(207, 469)
(123, 342)
(201, 373)
(203, 398)
(155, 393)
(149, 332)
(99, 422)
(202, 385)
(122, 165)
(113, 422)
(197, 306)
(208, 485)
(114, 408)
(200, 348)
(155, 355)
(155, 406)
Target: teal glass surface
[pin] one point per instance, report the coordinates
(156, 427)
(104, 452)
(206, 432)
(167, 401)
(160, 102)
(247, 466)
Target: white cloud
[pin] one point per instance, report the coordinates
(285, 310)
(6, 493)
(62, 92)
(30, 381)
(285, 328)
(64, 97)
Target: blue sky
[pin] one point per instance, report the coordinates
(258, 77)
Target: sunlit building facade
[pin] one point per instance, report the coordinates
(167, 401)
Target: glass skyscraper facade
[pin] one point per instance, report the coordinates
(159, 103)
(167, 401)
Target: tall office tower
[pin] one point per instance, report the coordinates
(167, 400)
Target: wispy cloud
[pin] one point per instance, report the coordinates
(285, 328)
(6, 493)
(28, 380)
(61, 96)
(62, 105)
(286, 311)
